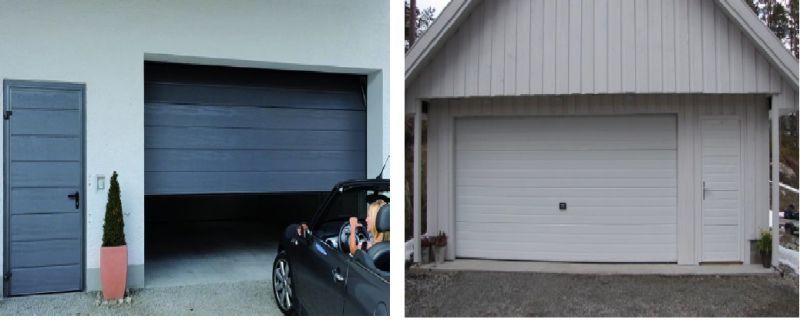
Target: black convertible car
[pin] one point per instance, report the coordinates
(314, 272)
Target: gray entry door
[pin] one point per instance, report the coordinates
(43, 161)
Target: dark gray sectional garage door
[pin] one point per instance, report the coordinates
(235, 130)
(43, 160)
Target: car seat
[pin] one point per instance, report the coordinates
(379, 253)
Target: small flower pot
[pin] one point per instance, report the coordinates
(113, 271)
(439, 254)
(766, 259)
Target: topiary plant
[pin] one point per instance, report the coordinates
(113, 226)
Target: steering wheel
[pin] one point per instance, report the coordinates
(344, 236)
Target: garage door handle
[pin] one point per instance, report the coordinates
(76, 196)
(704, 190)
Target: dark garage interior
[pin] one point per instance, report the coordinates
(234, 155)
(194, 239)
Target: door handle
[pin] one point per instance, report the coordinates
(76, 196)
(337, 276)
(704, 190)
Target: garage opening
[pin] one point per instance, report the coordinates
(234, 155)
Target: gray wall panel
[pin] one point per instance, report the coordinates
(232, 130)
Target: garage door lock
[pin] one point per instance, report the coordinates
(6, 276)
(562, 206)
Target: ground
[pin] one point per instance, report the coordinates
(222, 299)
(466, 294)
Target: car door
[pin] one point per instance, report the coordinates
(366, 293)
(319, 274)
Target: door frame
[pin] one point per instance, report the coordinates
(699, 178)
(7, 84)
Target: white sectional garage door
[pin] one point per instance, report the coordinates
(617, 176)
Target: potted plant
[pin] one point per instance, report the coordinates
(114, 252)
(425, 242)
(439, 245)
(764, 246)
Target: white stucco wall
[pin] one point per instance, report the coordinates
(103, 44)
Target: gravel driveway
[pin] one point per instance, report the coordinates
(223, 299)
(462, 294)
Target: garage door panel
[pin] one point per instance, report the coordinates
(572, 210)
(237, 130)
(230, 138)
(597, 254)
(176, 160)
(42, 200)
(180, 115)
(617, 174)
(245, 182)
(563, 173)
(238, 95)
(596, 182)
(552, 200)
(534, 192)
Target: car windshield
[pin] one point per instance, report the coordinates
(351, 203)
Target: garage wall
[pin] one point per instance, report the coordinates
(533, 47)
(104, 44)
(751, 109)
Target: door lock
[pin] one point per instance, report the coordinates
(76, 196)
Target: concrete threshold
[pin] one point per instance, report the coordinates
(598, 268)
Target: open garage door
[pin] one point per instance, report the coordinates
(232, 155)
(595, 189)
(235, 130)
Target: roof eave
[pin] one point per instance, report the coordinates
(444, 25)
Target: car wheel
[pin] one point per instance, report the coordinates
(282, 286)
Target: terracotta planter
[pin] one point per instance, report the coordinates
(113, 271)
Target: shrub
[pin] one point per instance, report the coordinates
(764, 243)
(113, 225)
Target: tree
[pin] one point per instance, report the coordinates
(417, 22)
(782, 21)
(113, 225)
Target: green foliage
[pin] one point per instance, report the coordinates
(764, 243)
(113, 226)
(781, 17)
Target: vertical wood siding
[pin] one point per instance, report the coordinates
(533, 47)
(751, 110)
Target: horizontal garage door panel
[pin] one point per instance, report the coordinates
(177, 115)
(232, 130)
(617, 175)
(245, 182)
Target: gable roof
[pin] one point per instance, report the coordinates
(457, 10)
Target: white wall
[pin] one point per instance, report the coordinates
(552, 47)
(103, 44)
(750, 109)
